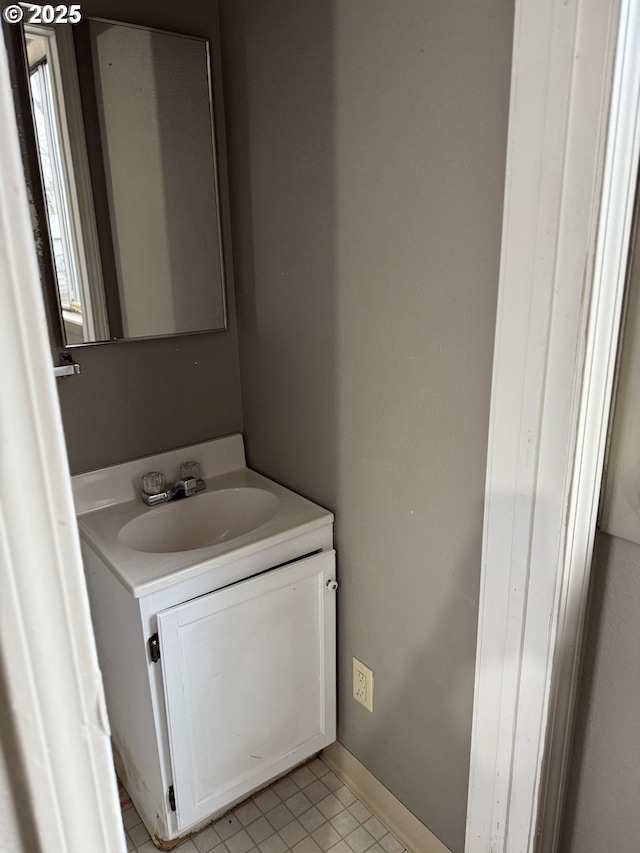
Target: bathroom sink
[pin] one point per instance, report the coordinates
(242, 522)
(199, 522)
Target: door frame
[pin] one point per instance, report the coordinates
(64, 795)
(568, 203)
(570, 188)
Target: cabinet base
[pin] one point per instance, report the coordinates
(168, 844)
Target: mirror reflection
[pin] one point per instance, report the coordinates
(124, 126)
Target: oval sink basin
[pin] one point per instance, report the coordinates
(200, 521)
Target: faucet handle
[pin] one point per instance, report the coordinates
(190, 478)
(190, 471)
(153, 483)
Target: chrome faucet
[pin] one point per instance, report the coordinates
(189, 483)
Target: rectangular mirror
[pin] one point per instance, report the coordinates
(125, 131)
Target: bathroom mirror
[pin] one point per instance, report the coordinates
(124, 125)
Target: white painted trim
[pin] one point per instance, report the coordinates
(406, 827)
(561, 282)
(47, 648)
(607, 302)
(619, 513)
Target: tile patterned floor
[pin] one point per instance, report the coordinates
(308, 811)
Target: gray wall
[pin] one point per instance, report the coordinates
(9, 822)
(134, 399)
(620, 511)
(367, 162)
(604, 782)
(137, 398)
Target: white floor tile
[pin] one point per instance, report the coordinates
(279, 817)
(247, 813)
(345, 796)
(359, 840)
(292, 833)
(130, 817)
(341, 847)
(307, 845)
(285, 788)
(374, 827)
(308, 811)
(147, 847)
(260, 829)
(360, 812)
(325, 836)
(318, 767)
(241, 842)
(298, 804)
(187, 847)
(206, 840)
(303, 777)
(227, 826)
(267, 800)
(312, 819)
(273, 845)
(316, 791)
(390, 844)
(344, 823)
(331, 781)
(138, 834)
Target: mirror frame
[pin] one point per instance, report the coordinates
(19, 75)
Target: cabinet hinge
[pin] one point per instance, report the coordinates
(154, 648)
(172, 798)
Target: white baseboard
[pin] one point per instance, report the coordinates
(388, 809)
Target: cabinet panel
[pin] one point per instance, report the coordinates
(249, 680)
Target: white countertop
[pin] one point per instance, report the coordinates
(101, 519)
(142, 573)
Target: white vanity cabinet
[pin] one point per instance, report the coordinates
(219, 670)
(219, 692)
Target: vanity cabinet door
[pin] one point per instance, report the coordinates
(249, 680)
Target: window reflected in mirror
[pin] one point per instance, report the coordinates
(83, 321)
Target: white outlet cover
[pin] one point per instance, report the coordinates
(363, 684)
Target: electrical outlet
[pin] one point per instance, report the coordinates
(363, 684)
